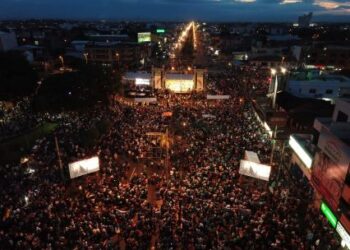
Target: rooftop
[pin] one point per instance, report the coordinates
(317, 76)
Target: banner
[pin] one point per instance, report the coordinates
(251, 156)
(145, 99)
(255, 170)
(83, 167)
(218, 97)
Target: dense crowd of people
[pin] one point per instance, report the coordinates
(198, 200)
(17, 119)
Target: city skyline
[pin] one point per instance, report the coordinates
(171, 10)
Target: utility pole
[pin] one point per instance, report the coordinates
(59, 158)
(167, 146)
(275, 89)
(274, 141)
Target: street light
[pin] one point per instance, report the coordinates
(273, 71)
(86, 57)
(62, 60)
(283, 70)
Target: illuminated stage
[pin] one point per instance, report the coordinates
(179, 83)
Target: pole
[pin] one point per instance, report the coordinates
(281, 161)
(167, 154)
(275, 92)
(274, 144)
(59, 158)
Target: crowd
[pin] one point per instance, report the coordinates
(133, 202)
(16, 119)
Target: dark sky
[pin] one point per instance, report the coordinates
(207, 10)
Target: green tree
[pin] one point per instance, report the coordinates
(80, 90)
(17, 77)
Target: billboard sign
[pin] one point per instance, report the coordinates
(330, 168)
(143, 37)
(343, 234)
(160, 31)
(141, 81)
(251, 156)
(84, 167)
(300, 152)
(332, 219)
(255, 170)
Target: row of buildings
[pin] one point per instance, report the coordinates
(323, 158)
(308, 113)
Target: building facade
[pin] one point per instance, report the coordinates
(8, 41)
(324, 159)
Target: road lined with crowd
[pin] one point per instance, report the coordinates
(133, 202)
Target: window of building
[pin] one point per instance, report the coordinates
(312, 91)
(342, 117)
(329, 91)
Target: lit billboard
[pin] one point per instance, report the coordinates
(344, 235)
(84, 167)
(160, 31)
(255, 170)
(144, 37)
(251, 156)
(332, 219)
(300, 152)
(142, 81)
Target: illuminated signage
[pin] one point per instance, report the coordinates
(160, 31)
(344, 235)
(84, 167)
(255, 170)
(141, 81)
(329, 214)
(144, 37)
(301, 153)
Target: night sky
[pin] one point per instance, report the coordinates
(173, 10)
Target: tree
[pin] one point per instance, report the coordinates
(80, 90)
(17, 77)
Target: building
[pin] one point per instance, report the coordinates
(305, 20)
(8, 41)
(315, 84)
(324, 158)
(321, 54)
(116, 53)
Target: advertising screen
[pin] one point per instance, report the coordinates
(255, 170)
(84, 167)
(300, 151)
(251, 156)
(160, 31)
(141, 81)
(144, 37)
